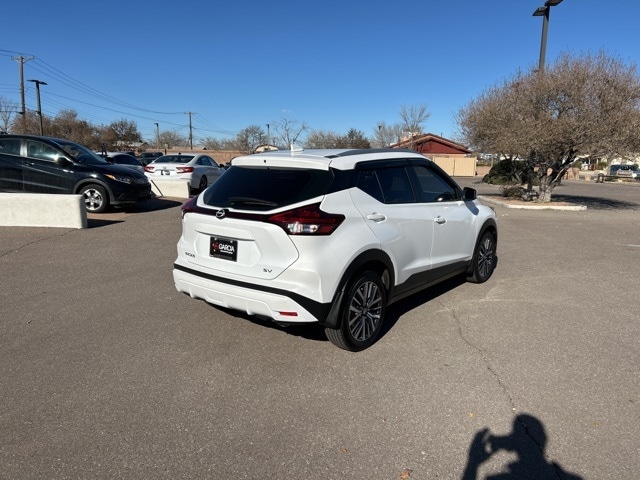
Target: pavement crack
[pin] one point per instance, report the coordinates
(17, 250)
(485, 360)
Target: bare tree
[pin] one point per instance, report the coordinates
(353, 139)
(121, 134)
(289, 131)
(582, 105)
(321, 139)
(7, 111)
(250, 138)
(385, 135)
(413, 116)
(172, 140)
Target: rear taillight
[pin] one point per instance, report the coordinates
(309, 220)
(191, 206)
(184, 169)
(148, 168)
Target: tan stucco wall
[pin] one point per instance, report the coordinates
(456, 166)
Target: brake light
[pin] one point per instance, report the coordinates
(184, 169)
(148, 168)
(309, 220)
(191, 206)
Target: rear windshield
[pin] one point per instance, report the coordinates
(260, 188)
(174, 159)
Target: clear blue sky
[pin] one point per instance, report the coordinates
(333, 64)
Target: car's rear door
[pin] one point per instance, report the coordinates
(10, 164)
(43, 173)
(404, 227)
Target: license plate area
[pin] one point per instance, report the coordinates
(223, 248)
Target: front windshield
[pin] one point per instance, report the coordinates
(81, 154)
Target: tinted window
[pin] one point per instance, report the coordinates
(125, 160)
(10, 146)
(175, 159)
(258, 188)
(41, 151)
(368, 183)
(204, 161)
(395, 184)
(433, 187)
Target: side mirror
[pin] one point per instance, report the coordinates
(470, 194)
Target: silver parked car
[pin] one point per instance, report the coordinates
(199, 169)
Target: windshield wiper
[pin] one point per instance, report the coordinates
(251, 201)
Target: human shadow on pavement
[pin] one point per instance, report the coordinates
(527, 441)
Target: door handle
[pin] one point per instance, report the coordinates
(440, 220)
(376, 217)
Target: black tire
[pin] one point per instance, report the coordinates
(484, 259)
(96, 199)
(203, 184)
(362, 314)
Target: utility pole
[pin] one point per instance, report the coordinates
(21, 61)
(157, 135)
(190, 129)
(38, 83)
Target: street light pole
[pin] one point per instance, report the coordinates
(38, 83)
(544, 12)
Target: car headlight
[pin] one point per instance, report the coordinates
(120, 178)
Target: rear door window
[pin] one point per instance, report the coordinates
(10, 146)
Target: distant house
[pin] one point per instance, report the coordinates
(430, 144)
(265, 148)
(452, 157)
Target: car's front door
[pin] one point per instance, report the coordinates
(453, 220)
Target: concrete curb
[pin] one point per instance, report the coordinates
(170, 188)
(533, 206)
(42, 210)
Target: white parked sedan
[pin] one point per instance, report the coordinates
(201, 170)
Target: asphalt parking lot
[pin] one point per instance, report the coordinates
(107, 372)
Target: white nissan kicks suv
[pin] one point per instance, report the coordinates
(331, 236)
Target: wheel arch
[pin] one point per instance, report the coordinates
(94, 181)
(373, 260)
(491, 226)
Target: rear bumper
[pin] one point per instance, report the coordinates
(279, 305)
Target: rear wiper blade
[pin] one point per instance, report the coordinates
(251, 201)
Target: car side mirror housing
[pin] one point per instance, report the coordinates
(469, 193)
